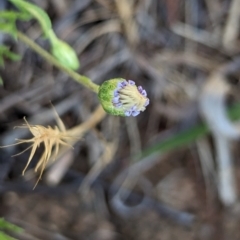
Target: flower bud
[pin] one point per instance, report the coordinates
(65, 54)
(122, 98)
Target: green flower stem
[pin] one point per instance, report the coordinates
(85, 81)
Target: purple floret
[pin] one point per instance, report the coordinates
(124, 83)
(140, 89)
(117, 104)
(133, 108)
(116, 93)
(115, 100)
(131, 82)
(121, 85)
(132, 112)
(128, 113)
(135, 113)
(146, 103)
(144, 93)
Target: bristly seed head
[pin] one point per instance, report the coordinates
(51, 138)
(130, 98)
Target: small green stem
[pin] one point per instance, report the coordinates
(85, 81)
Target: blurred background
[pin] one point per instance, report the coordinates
(162, 175)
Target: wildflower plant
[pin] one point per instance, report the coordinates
(117, 96)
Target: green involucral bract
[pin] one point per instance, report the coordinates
(106, 94)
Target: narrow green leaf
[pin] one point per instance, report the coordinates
(36, 12)
(4, 236)
(12, 56)
(8, 15)
(7, 226)
(1, 81)
(9, 28)
(13, 15)
(186, 137)
(5, 52)
(1, 62)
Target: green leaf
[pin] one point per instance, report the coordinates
(8, 15)
(186, 137)
(1, 81)
(1, 61)
(36, 12)
(5, 52)
(8, 21)
(12, 56)
(9, 28)
(12, 15)
(4, 236)
(7, 226)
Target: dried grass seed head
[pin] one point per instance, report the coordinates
(51, 138)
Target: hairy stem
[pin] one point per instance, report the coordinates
(85, 81)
